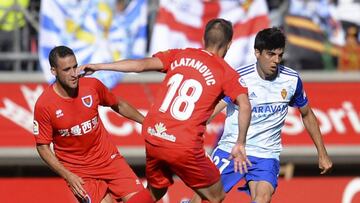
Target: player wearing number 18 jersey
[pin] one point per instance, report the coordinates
(196, 79)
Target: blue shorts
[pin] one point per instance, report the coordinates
(262, 169)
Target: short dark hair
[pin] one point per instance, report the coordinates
(59, 51)
(270, 39)
(218, 33)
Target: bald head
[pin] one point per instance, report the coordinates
(218, 33)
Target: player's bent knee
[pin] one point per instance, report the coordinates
(264, 198)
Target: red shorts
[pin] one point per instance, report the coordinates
(118, 179)
(193, 166)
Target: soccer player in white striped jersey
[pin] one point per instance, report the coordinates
(272, 88)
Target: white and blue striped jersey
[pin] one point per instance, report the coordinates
(269, 102)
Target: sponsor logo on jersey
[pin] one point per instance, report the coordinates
(87, 100)
(80, 129)
(64, 132)
(35, 128)
(159, 131)
(76, 130)
(266, 109)
(283, 93)
(59, 113)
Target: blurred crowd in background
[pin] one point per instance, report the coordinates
(321, 34)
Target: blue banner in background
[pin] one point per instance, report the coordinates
(97, 31)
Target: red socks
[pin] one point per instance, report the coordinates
(143, 196)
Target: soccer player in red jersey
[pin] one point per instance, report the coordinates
(196, 80)
(66, 114)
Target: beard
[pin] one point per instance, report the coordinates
(72, 91)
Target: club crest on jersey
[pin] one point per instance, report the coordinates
(87, 100)
(283, 93)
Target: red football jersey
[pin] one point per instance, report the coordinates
(81, 143)
(195, 82)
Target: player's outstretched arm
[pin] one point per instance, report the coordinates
(128, 111)
(218, 108)
(126, 65)
(241, 162)
(312, 127)
(75, 182)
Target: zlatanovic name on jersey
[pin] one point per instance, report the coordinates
(198, 65)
